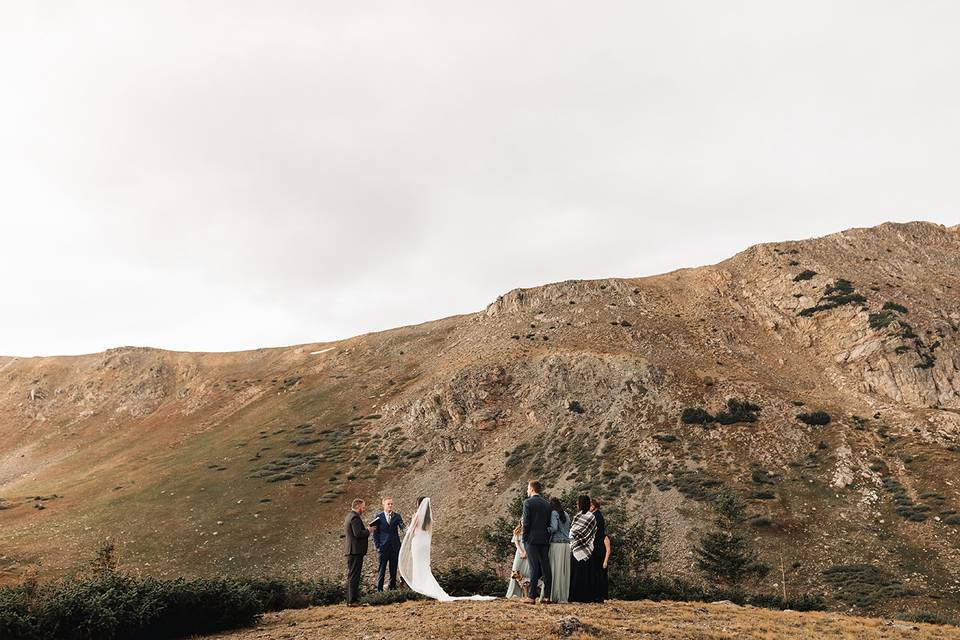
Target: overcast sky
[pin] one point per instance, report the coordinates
(229, 175)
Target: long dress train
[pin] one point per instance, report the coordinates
(415, 558)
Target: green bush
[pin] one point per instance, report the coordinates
(840, 286)
(696, 415)
(893, 306)
(696, 484)
(863, 585)
(15, 619)
(575, 407)
(276, 594)
(880, 320)
(930, 618)
(806, 274)
(658, 588)
(113, 606)
(118, 607)
(815, 418)
(461, 581)
(840, 293)
(738, 411)
(378, 598)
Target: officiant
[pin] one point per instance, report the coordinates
(386, 538)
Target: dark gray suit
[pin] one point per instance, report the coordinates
(536, 540)
(354, 548)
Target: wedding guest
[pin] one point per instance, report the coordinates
(583, 568)
(602, 554)
(536, 519)
(515, 590)
(559, 531)
(605, 579)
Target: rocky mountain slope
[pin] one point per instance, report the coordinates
(245, 462)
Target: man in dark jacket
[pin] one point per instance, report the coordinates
(536, 540)
(354, 548)
(386, 539)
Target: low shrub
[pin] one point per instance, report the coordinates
(806, 274)
(893, 306)
(930, 618)
(15, 619)
(658, 588)
(863, 585)
(113, 606)
(462, 581)
(377, 598)
(276, 594)
(696, 484)
(696, 415)
(838, 294)
(815, 418)
(840, 286)
(574, 406)
(118, 607)
(880, 320)
(738, 411)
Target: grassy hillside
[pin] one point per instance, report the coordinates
(244, 463)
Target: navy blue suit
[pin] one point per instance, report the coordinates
(386, 538)
(536, 539)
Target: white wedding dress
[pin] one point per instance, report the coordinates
(415, 558)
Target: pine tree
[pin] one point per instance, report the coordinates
(725, 554)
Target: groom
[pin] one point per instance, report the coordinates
(536, 540)
(386, 539)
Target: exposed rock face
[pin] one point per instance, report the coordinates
(580, 383)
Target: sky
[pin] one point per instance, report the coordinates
(214, 176)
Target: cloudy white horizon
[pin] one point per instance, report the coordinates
(214, 176)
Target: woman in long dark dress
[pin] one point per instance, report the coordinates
(584, 577)
(601, 553)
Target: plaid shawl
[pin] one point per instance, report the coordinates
(582, 531)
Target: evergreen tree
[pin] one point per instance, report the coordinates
(496, 537)
(725, 554)
(638, 545)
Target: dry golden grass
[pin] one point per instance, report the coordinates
(504, 619)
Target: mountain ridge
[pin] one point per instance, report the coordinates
(241, 462)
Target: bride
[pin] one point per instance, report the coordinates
(415, 557)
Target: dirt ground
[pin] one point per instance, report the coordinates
(502, 619)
